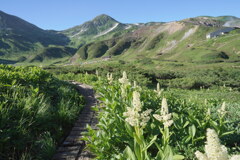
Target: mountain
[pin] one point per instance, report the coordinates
(18, 37)
(226, 21)
(103, 36)
(180, 41)
(101, 27)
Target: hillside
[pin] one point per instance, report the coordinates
(18, 37)
(54, 52)
(99, 28)
(103, 36)
(174, 41)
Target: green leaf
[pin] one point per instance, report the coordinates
(128, 154)
(129, 129)
(137, 150)
(159, 155)
(138, 139)
(227, 133)
(36, 90)
(178, 157)
(193, 130)
(215, 125)
(168, 154)
(186, 123)
(199, 138)
(150, 143)
(188, 139)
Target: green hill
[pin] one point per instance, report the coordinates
(174, 41)
(53, 52)
(103, 36)
(18, 37)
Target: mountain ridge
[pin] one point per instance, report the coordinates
(105, 36)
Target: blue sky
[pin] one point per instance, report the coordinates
(62, 14)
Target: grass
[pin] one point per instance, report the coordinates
(37, 111)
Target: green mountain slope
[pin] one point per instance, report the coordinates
(53, 52)
(180, 41)
(100, 28)
(18, 37)
(174, 41)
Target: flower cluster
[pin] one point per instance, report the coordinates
(201, 156)
(222, 111)
(97, 73)
(133, 115)
(158, 91)
(124, 79)
(165, 116)
(144, 117)
(213, 149)
(136, 101)
(110, 78)
(135, 84)
(209, 112)
(235, 157)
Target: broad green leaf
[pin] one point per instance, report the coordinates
(128, 154)
(129, 129)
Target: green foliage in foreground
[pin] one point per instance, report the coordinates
(117, 139)
(36, 112)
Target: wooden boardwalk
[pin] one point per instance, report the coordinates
(73, 147)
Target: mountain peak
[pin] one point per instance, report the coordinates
(98, 26)
(104, 18)
(3, 13)
(103, 15)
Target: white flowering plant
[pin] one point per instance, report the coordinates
(214, 150)
(133, 124)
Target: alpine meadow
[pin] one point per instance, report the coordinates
(108, 90)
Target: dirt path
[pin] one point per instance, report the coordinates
(73, 147)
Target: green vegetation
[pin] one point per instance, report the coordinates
(97, 50)
(152, 44)
(120, 47)
(192, 112)
(184, 41)
(196, 75)
(53, 52)
(93, 50)
(19, 38)
(169, 74)
(36, 112)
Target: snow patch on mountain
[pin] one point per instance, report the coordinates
(81, 31)
(107, 31)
